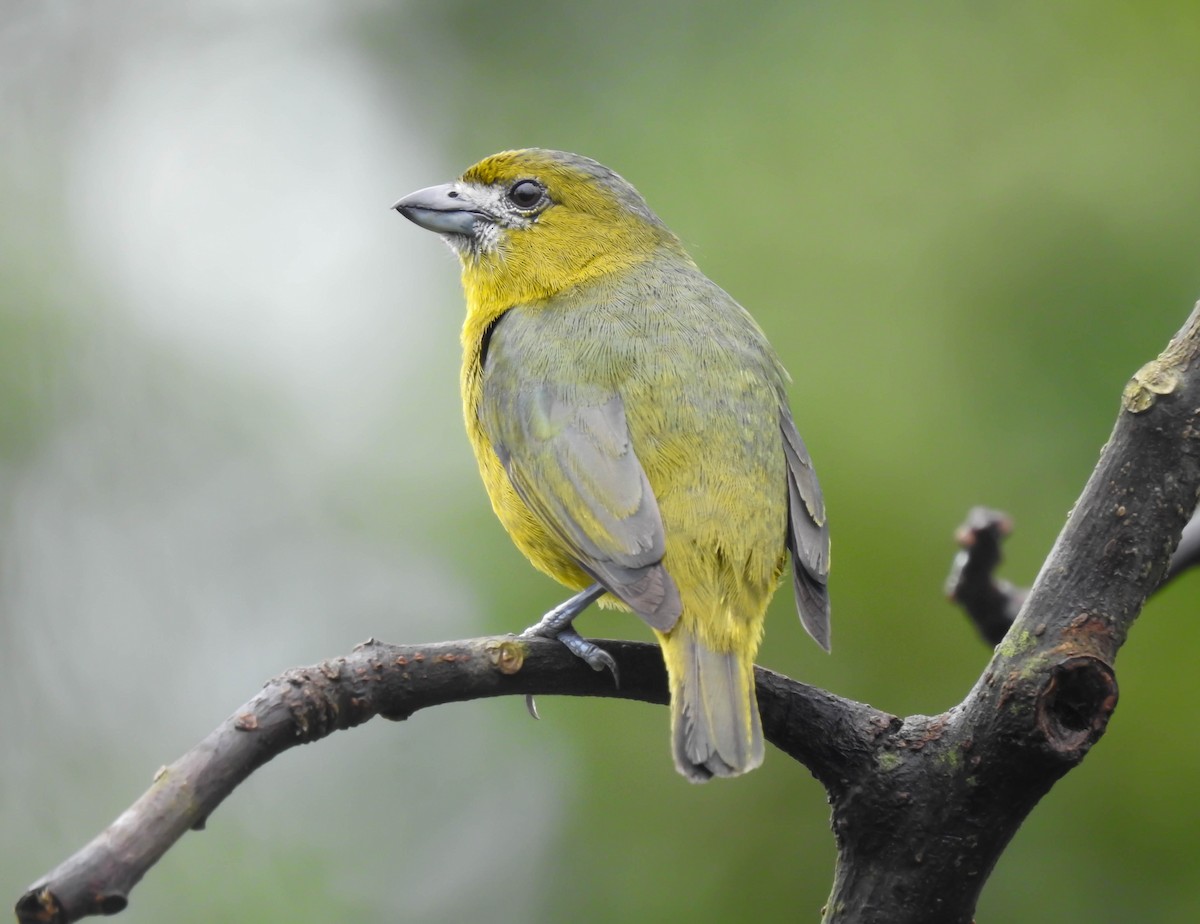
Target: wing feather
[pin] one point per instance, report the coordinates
(808, 535)
(570, 458)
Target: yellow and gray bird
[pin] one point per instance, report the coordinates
(631, 425)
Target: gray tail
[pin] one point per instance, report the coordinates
(715, 727)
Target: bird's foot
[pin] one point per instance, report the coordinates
(556, 624)
(596, 657)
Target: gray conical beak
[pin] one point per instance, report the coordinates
(444, 209)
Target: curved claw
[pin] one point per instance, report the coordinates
(596, 657)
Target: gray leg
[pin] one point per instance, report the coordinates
(557, 624)
(564, 614)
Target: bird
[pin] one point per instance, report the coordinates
(632, 429)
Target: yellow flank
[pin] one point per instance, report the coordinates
(630, 425)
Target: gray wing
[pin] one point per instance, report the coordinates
(568, 455)
(808, 534)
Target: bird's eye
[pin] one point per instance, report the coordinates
(525, 194)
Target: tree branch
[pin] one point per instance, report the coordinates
(922, 807)
(306, 704)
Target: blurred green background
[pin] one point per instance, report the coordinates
(230, 435)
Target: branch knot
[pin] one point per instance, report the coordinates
(1074, 706)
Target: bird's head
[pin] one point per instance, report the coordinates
(530, 224)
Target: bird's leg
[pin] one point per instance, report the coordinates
(564, 614)
(557, 624)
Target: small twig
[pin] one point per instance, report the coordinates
(991, 603)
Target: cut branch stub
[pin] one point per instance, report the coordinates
(1076, 703)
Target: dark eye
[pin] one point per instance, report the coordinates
(525, 194)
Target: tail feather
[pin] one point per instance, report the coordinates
(715, 726)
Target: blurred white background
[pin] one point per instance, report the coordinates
(228, 320)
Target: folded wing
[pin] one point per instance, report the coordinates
(568, 455)
(808, 535)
